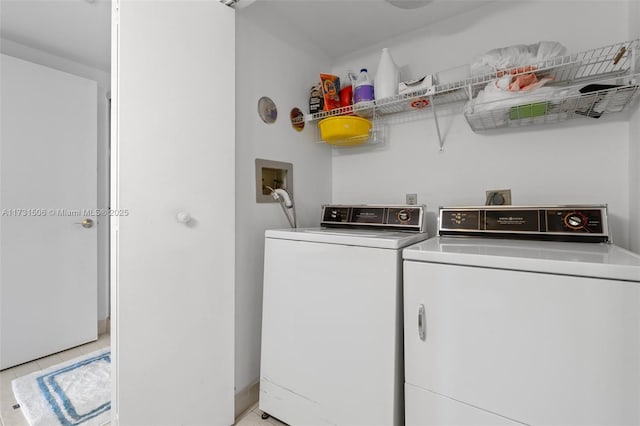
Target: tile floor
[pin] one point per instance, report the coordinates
(13, 417)
(251, 417)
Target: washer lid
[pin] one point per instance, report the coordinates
(595, 260)
(351, 237)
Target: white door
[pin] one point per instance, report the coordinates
(173, 288)
(49, 183)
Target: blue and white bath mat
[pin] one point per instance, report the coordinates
(77, 392)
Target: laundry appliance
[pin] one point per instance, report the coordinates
(522, 315)
(332, 317)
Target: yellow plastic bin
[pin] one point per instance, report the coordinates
(344, 130)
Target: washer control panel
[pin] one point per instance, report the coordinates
(587, 223)
(398, 217)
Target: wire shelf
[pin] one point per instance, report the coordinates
(613, 61)
(603, 62)
(569, 104)
(410, 102)
(610, 68)
(608, 61)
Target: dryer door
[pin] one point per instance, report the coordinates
(516, 343)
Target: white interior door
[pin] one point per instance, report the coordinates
(49, 184)
(173, 282)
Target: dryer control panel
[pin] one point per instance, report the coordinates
(397, 217)
(583, 223)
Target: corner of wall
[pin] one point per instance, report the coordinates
(284, 70)
(634, 144)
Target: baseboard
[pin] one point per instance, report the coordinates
(246, 398)
(104, 326)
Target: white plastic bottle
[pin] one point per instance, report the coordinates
(363, 91)
(386, 83)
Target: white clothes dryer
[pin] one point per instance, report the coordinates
(520, 331)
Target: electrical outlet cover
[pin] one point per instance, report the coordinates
(498, 197)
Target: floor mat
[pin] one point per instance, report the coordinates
(76, 392)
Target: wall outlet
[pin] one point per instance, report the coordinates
(498, 197)
(412, 199)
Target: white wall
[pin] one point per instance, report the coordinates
(284, 70)
(634, 145)
(103, 79)
(581, 161)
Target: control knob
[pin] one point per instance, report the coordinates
(575, 220)
(404, 216)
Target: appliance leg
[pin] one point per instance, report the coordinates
(265, 416)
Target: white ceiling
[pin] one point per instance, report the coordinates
(79, 30)
(339, 27)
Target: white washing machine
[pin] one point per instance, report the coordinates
(521, 331)
(332, 317)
